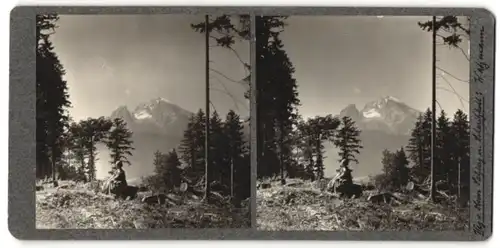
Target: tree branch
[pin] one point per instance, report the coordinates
(455, 91)
(453, 76)
(223, 75)
(464, 53)
(450, 91)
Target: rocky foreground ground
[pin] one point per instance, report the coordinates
(301, 205)
(80, 206)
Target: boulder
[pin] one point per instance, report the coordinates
(155, 199)
(349, 190)
(130, 192)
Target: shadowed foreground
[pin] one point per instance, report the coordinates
(80, 207)
(304, 206)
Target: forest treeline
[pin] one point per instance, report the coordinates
(413, 162)
(229, 161)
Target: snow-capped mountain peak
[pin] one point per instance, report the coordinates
(158, 113)
(142, 114)
(386, 113)
(161, 99)
(371, 113)
(391, 98)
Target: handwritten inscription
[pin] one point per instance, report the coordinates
(481, 65)
(478, 226)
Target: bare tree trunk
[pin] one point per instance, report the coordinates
(53, 162)
(433, 134)
(281, 146)
(232, 177)
(207, 110)
(459, 190)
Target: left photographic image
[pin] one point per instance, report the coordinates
(142, 121)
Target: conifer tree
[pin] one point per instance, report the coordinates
(188, 147)
(51, 99)
(170, 170)
(347, 140)
(193, 146)
(460, 129)
(401, 171)
(277, 89)
(94, 131)
(416, 146)
(445, 170)
(236, 154)
(77, 148)
(119, 142)
(455, 31)
(218, 151)
(387, 177)
(419, 147)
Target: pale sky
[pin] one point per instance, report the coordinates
(114, 60)
(353, 60)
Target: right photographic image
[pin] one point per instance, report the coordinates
(362, 123)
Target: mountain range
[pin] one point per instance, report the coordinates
(159, 124)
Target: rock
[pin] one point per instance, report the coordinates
(183, 187)
(410, 186)
(265, 185)
(349, 190)
(155, 199)
(130, 192)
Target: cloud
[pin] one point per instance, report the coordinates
(356, 90)
(127, 92)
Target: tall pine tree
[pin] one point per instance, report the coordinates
(51, 99)
(119, 142)
(77, 148)
(401, 171)
(276, 88)
(220, 173)
(460, 129)
(95, 130)
(237, 157)
(169, 170)
(419, 148)
(445, 170)
(192, 147)
(347, 140)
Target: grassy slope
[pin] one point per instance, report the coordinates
(79, 207)
(305, 207)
